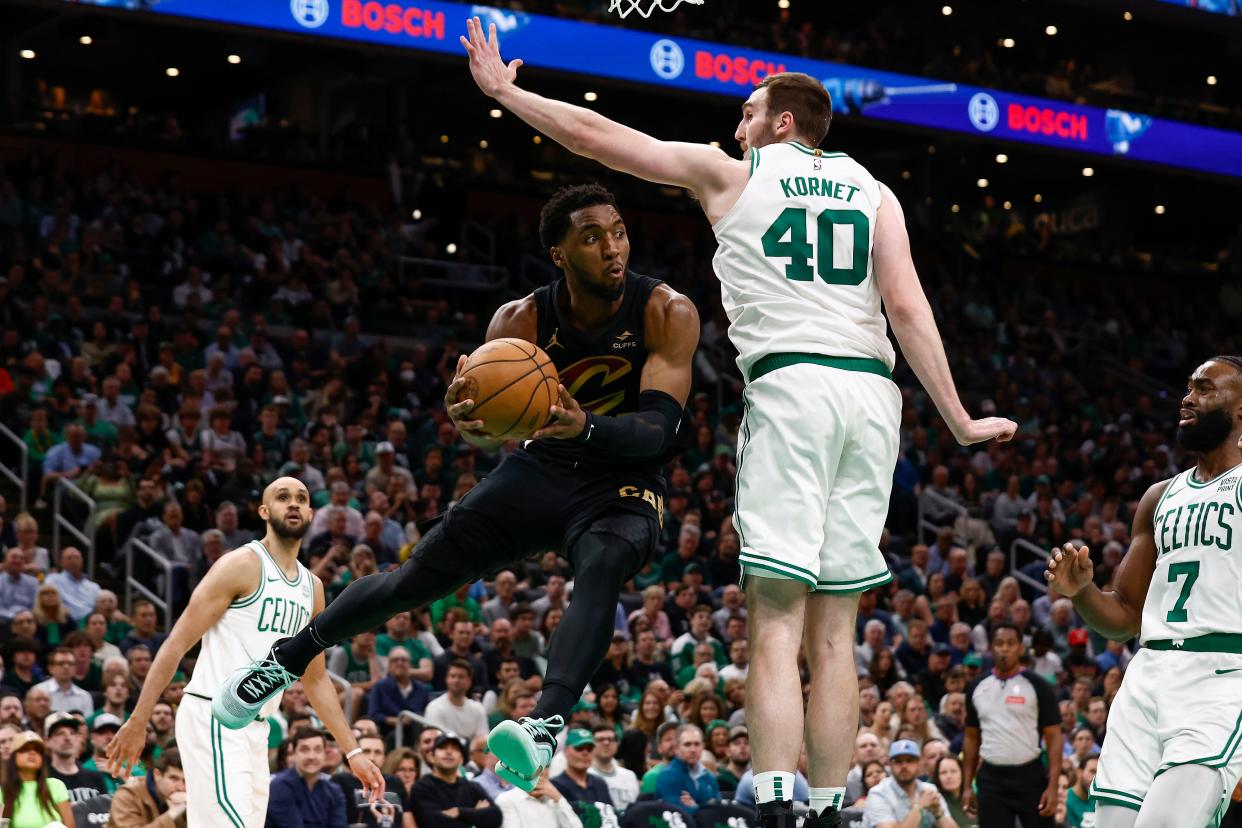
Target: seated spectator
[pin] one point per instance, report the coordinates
(653, 610)
(379, 478)
(139, 660)
(397, 633)
(39, 438)
(685, 781)
(222, 447)
(143, 631)
(95, 625)
(157, 799)
(587, 793)
(65, 744)
(454, 711)
(357, 663)
(177, 543)
(37, 558)
(737, 761)
(340, 499)
(398, 691)
(443, 799)
(23, 670)
(875, 639)
(543, 807)
(77, 591)
(867, 749)
(502, 651)
(872, 774)
(102, 732)
(527, 641)
(64, 695)
(891, 801)
(487, 779)
(462, 647)
(682, 652)
(647, 664)
(303, 795)
(373, 537)
(87, 673)
(373, 749)
(501, 604)
(69, 460)
(50, 616)
(335, 533)
(621, 781)
(17, 587)
(1078, 802)
(29, 798)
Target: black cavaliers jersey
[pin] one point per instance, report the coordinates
(601, 369)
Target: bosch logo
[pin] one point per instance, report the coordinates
(667, 59)
(983, 111)
(309, 13)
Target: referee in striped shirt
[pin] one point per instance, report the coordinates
(1007, 713)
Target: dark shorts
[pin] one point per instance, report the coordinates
(530, 504)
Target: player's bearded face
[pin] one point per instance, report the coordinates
(1207, 430)
(293, 530)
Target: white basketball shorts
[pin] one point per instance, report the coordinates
(226, 773)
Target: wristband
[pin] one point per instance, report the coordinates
(356, 751)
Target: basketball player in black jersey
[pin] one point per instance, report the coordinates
(588, 483)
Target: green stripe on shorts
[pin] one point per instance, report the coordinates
(856, 585)
(772, 565)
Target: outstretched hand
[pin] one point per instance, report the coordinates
(490, 72)
(986, 428)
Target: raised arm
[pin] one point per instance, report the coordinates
(234, 575)
(1115, 613)
(910, 316)
(321, 693)
(699, 167)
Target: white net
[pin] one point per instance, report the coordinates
(647, 7)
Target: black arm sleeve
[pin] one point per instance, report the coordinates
(648, 433)
(1049, 709)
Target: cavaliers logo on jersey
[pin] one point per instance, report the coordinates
(592, 381)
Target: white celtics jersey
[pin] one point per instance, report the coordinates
(794, 258)
(278, 608)
(1197, 586)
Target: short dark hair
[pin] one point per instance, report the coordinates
(805, 98)
(1235, 361)
(304, 733)
(701, 608)
(554, 219)
(75, 639)
(1006, 625)
(459, 664)
(170, 758)
(523, 609)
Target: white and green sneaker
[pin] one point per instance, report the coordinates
(524, 748)
(238, 702)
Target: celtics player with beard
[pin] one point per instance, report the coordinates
(249, 599)
(1172, 757)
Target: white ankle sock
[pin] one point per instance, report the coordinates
(773, 786)
(824, 798)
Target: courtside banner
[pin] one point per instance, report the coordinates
(722, 69)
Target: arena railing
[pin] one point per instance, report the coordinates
(133, 548)
(453, 276)
(85, 536)
(20, 476)
(478, 242)
(407, 716)
(926, 525)
(1038, 551)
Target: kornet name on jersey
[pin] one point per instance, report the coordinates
(794, 258)
(278, 608)
(1196, 588)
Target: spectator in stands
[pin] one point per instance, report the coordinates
(358, 664)
(64, 742)
(461, 647)
(303, 794)
(732, 605)
(379, 478)
(64, 695)
(39, 438)
(892, 801)
(947, 777)
(453, 711)
(1078, 802)
(686, 782)
(527, 641)
(139, 659)
(543, 807)
(17, 588)
(29, 797)
(299, 466)
(112, 409)
(50, 616)
(586, 792)
(621, 781)
(143, 632)
(731, 771)
(175, 542)
(373, 749)
(647, 664)
(681, 654)
(335, 533)
(340, 499)
(37, 558)
(443, 799)
(23, 670)
(867, 749)
(554, 597)
(68, 460)
(373, 537)
(227, 524)
(102, 732)
(398, 691)
(96, 628)
(77, 591)
(502, 602)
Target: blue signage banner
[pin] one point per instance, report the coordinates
(722, 69)
(1233, 8)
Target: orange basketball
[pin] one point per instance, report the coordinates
(513, 384)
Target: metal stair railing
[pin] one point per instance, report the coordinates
(85, 536)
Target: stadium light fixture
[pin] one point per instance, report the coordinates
(1008, 42)
(1211, 80)
(483, 144)
(444, 139)
(1008, 205)
(86, 40)
(495, 113)
(172, 71)
(451, 249)
(1050, 30)
(1126, 16)
(955, 209)
(417, 215)
(981, 183)
(1038, 198)
(590, 96)
(905, 175)
(1087, 172)
(782, 4)
(946, 10)
(1160, 209)
(1001, 158)
(234, 59)
(538, 139)
(27, 54)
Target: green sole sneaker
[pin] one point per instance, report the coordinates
(513, 779)
(524, 748)
(238, 701)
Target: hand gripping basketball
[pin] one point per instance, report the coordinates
(503, 391)
(1069, 569)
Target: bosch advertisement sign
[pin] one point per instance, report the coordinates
(721, 69)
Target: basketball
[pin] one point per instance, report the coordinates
(513, 384)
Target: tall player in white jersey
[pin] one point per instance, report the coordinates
(1171, 757)
(249, 598)
(809, 246)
